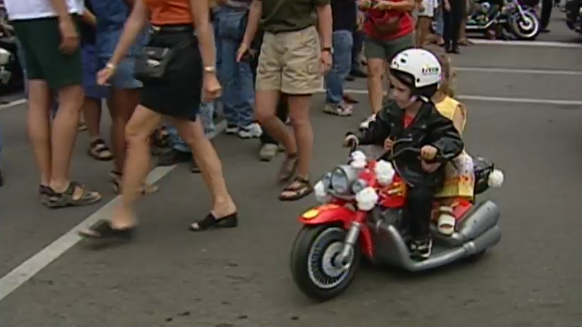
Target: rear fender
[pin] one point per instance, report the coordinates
(341, 215)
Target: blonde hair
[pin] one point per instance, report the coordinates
(449, 75)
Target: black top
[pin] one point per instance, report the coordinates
(88, 35)
(344, 14)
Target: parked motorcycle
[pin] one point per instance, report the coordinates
(11, 75)
(362, 213)
(514, 20)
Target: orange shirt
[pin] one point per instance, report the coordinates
(169, 12)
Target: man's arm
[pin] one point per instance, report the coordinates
(325, 23)
(253, 22)
(89, 18)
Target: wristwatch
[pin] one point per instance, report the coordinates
(327, 49)
(210, 69)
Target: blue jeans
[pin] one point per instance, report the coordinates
(342, 63)
(238, 95)
(438, 23)
(206, 113)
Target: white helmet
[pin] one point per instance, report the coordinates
(419, 69)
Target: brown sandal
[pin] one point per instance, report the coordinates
(298, 189)
(98, 150)
(117, 180)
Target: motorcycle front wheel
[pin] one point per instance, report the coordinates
(312, 262)
(525, 27)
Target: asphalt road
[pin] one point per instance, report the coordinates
(526, 118)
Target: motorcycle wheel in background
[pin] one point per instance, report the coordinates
(525, 25)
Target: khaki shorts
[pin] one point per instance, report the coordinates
(290, 63)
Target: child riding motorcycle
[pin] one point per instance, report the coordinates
(415, 75)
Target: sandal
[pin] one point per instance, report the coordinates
(340, 109)
(446, 222)
(67, 199)
(298, 189)
(100, 151)
(211, 222)
(288, 168)
(45, 193)
(117, 180)
(104, 230)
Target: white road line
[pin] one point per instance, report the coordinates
(501, 99)
(518, 71)
(33, 265)
(543, 44)
(12, 104)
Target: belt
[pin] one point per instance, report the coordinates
(182, 28)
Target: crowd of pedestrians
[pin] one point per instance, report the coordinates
(261, 61)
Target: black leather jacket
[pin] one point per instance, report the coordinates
(429, 127)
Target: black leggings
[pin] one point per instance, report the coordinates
(452, 20)
(419, 208)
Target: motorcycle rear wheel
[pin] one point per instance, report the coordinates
(312, 257)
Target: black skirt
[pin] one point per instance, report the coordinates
(179, 94)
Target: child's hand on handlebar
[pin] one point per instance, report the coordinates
(388, 144)
(350, 140)
(428, 152)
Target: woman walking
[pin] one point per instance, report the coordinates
(173, 88)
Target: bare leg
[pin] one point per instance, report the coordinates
(137, 133)
(266, 104)
(210, 166)
(39, 128)
(64, 134)
(122, 104)
(376, 69)
(92, 114)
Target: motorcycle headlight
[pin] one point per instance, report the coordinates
(341, 179)
(359, 185)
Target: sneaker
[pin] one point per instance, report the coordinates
(421, 248)
(231, 129)
(268, 152)
(364, 124)
(250, 131)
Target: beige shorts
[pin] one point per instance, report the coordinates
(290, 62)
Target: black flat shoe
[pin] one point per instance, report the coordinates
(211, 222)
(103, 230)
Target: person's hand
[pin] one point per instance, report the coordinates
(361, 18)
(69, 36)
(447, 6)
(388, 144)
(430, 167)
(383, 5)
(326, 61)
(364, 4)
(212, 88)
(428, 152)
(104, 75)
(242, 50)
(350, 140)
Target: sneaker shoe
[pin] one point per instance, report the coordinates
(250, 131)
(421, 248)
(268, 152)
(364, 124)
(231, 129)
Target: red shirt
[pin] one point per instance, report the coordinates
(380, 17)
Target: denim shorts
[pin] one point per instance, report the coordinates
(90, 69)
(124, 74)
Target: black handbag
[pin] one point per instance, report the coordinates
(152, 64)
